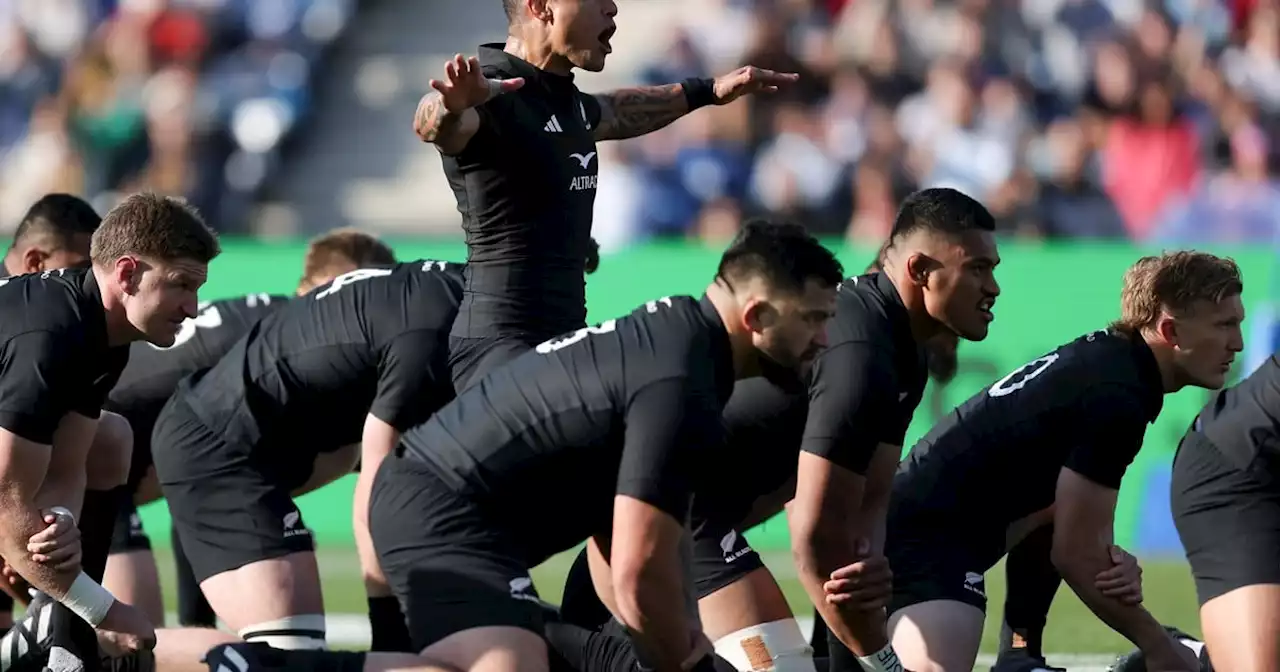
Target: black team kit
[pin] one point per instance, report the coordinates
(526, 464)
(863, 391)
(147, 383)
(233, 441)
(526, 186)
(1226, 487)
(1084, 406)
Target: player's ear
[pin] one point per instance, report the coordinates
(919, 265)
(1167, 328)
(758, 315)
(128, 274)
(33, 260)
(540, 9)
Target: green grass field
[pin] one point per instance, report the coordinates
(1170, 596)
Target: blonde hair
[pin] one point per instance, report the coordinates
(341, 248)
(1174, 282)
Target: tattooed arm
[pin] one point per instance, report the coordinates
(448, 131)
(632, 112)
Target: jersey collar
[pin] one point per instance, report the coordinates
(720, 349)
(899, 319)
(96, 314)
(492, 54)
(1149, 373)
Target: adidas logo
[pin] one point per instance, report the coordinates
(553, 125)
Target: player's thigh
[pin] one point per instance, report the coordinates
(939, 592)
(107, 462)
(471, 359)
(937, 636)
(459, 578)
(1242, 628)
(733, 587)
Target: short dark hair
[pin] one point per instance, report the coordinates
(941, 210)
(342, 246)
(163, 228)
(785, 254)
(59, 218)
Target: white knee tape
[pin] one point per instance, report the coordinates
(778, 646)
(292, 633)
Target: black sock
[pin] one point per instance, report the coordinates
(264, 657)
(839, 657)
(97, 524)
(1032, 582)
(388, 627)
(818, 638)
(193, 609)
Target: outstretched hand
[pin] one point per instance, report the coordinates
(465, 85)
(748, 80)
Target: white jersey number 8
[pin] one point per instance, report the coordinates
(1028, 372)
(558, 343)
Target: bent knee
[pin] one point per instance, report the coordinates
(109, 456)
(302, 632)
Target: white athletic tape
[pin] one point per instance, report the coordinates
(292, 633)
(884, 660)
(778, 646)
(88, 599)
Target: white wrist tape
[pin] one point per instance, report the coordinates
(89, 600)
(778, 646)
(884, 660)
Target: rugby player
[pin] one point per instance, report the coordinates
(150, 379)
(1225, 496)
(835, 446)
(64, 338)
(523, 167)
(325, 380)
(600, 433)
(1050, 442)
(53, 234)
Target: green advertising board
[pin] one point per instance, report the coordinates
(1050, 294)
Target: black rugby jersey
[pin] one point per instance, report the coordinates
(997, 457)
(1243, 421)
(54, 354)
(304, 378)
(868, 381)
(629, 407)
(153, 372)
(525, 186)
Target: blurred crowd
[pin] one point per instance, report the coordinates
(184, 97)
(1113, 119)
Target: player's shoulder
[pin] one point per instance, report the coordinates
(1110, 354)
(865, 311)
(249, 306)
(51, 300)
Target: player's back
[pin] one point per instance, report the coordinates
(544, 433)
(154, 372)
(308, 371)
(51, 300)
(999, 454)
(1243, 421)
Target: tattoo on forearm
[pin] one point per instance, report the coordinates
(627, 113)
(431, 121)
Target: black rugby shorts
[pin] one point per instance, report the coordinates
(226, 511)
(1228, 517)
(935, 556)
(451, 568)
